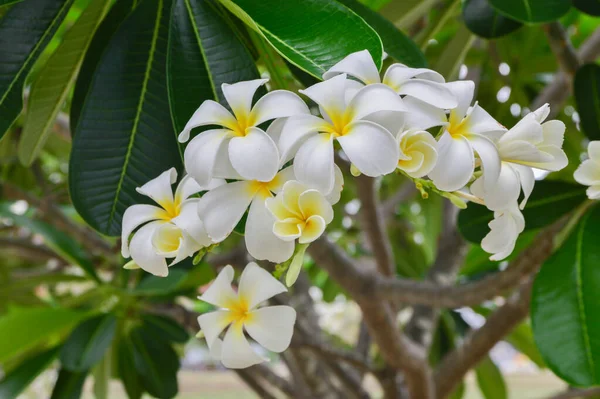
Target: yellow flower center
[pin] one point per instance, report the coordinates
(244, 121)
(171, 208)
(264, 189)
(458, 127)
(239, 311)
(339, 122)
(169, 239)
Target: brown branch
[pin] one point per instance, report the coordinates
(252, 380)
(322, 348)
(575, 393)
(561, 46)
(277, 381)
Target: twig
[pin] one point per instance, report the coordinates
(350, 357)
(561, 46)
(253, 382)
(576, 393)
(277, 381)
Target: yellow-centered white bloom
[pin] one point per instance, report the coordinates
(170, 230)
(221, 210)
(421, 83)
(505, 229)
(530, 143)
(588, 173)
(271, 326)
(418, 153)
(300, 213)
(240, 148)
(369, 146)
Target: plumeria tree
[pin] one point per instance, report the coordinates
(212, 172)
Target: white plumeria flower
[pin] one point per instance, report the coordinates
(221, 210)
(240, 148)
(172, 230)
(505, 229)
(418, 153)
(271, 326)
(466, 130)
(588, 173)
(300, 213)
(530, 143)
(369, 146)
(421, 83)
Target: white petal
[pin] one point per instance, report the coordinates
(237, 352)
(490, 159)
(463, 91)
(277, 104)
(393, 122)
(272, 327)
(295, 132)
(338, 185)
(374, 98)
(143, 253)
(222, 208)
(261, 242)
(397, 74)
(371, 148)
(166, 240)
(220, 292)
(313, 164)
(559, 159)
(159, 188)
(257, 285)
(505, 192)
(479, 121)
(422, 116)
(239, 96)
(275, 128)
(436, 94)
(312, 202)
(254, 156)
(505, 229)
(527, 129)
(202, 152)
(282, 177)
(352, 87)
(314, 228)
(418, 153)
(593, 192)
(527, 179)
(189, 221)
(594, 150)
(209, 113)
(588, 173)
(542, 112)
(359, 65)
(133, 217)
(188, 186)
(329, 94)
(216, 349)
(455, 163)
(554, 133)
(212, 325)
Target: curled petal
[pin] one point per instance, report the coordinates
(239, 96)
(455, 164)
(237, 352)
(220, 292)
(275, 128)
(359, 65)
(436, 94)
(397, 74)
(212, 325)
(490, 159)
(167, 240)
(418, 154)
(313, 164)
(277, 104)
(463, 91)
(254, 156)
(288, 229)
(505, 229)
(272, 327)
(315, 226)
(478, 121)
(261, 242)
(554, 133)
(374, 98)
(338, 185)
(133, 217)
(503, 193)
(527, 179)
(295, 132)
(209, 113)
(257, 285)
(159, 189)
(189, 221)
(329, 94)
(422, 116)
(143, 253)
(588, 173)
(202, 152)
(312, 202)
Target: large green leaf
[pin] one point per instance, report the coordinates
(69, 384)
(591, 7)
(124, 135)
(204, 52)
(52, 85)
(7, 2)
(532, 10)
(22, 329)
(586, 88)
(481, 18)
(88, 342)
(395, 43)
(126, 369)
(166, 327)
(18, 379)
(490, 380)
(311, 34)
(565, 306)
(549, 201)
(25, 31)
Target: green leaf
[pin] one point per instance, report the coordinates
(124, 135)
(69, 384)
(481, 18)
(490, 380)
(311, 34)
(591, 7)
(549, 201)
(395, 42)
(204, 52)
(454, 54)
(532, 10)
(565, 306)
(154, 285)
(25, 31)
(126, 369)
(156, 362)
(111, 22)
(55, 79)
(166, 327)
(586, 89)
(19, 378)
(17, 332)
(88, 342)
(521, 337)
(7, 2)
(64, 245)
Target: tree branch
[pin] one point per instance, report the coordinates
(576, 393)
(343, 355)
(252, 380)
(561, 46)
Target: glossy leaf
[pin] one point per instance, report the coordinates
(166, 327)
(154, 285)
(490, 380)
(591, 7)
(7, 2)
(395, 42)
(126, 369)
(565, 306)
(549, 201)
(25, 31)
(586, 89)
(156, 362)
(88, 342)
(204, 52)
(124, 134)
(532, 10)
(18, 336)
(69, 384)
(483, 20)
(51, 87)
(311, 34)
(19, 378)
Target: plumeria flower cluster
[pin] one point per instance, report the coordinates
(588, 173)
(269, 167)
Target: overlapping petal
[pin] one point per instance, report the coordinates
(143, 253)
(255, 155)
(257, 285)
(455, 163)
(159, 189)
(201, 154)
(209, 113)
(277, 104)
(261, 242)
(239, 96)
(313, 164)
(359, 65)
